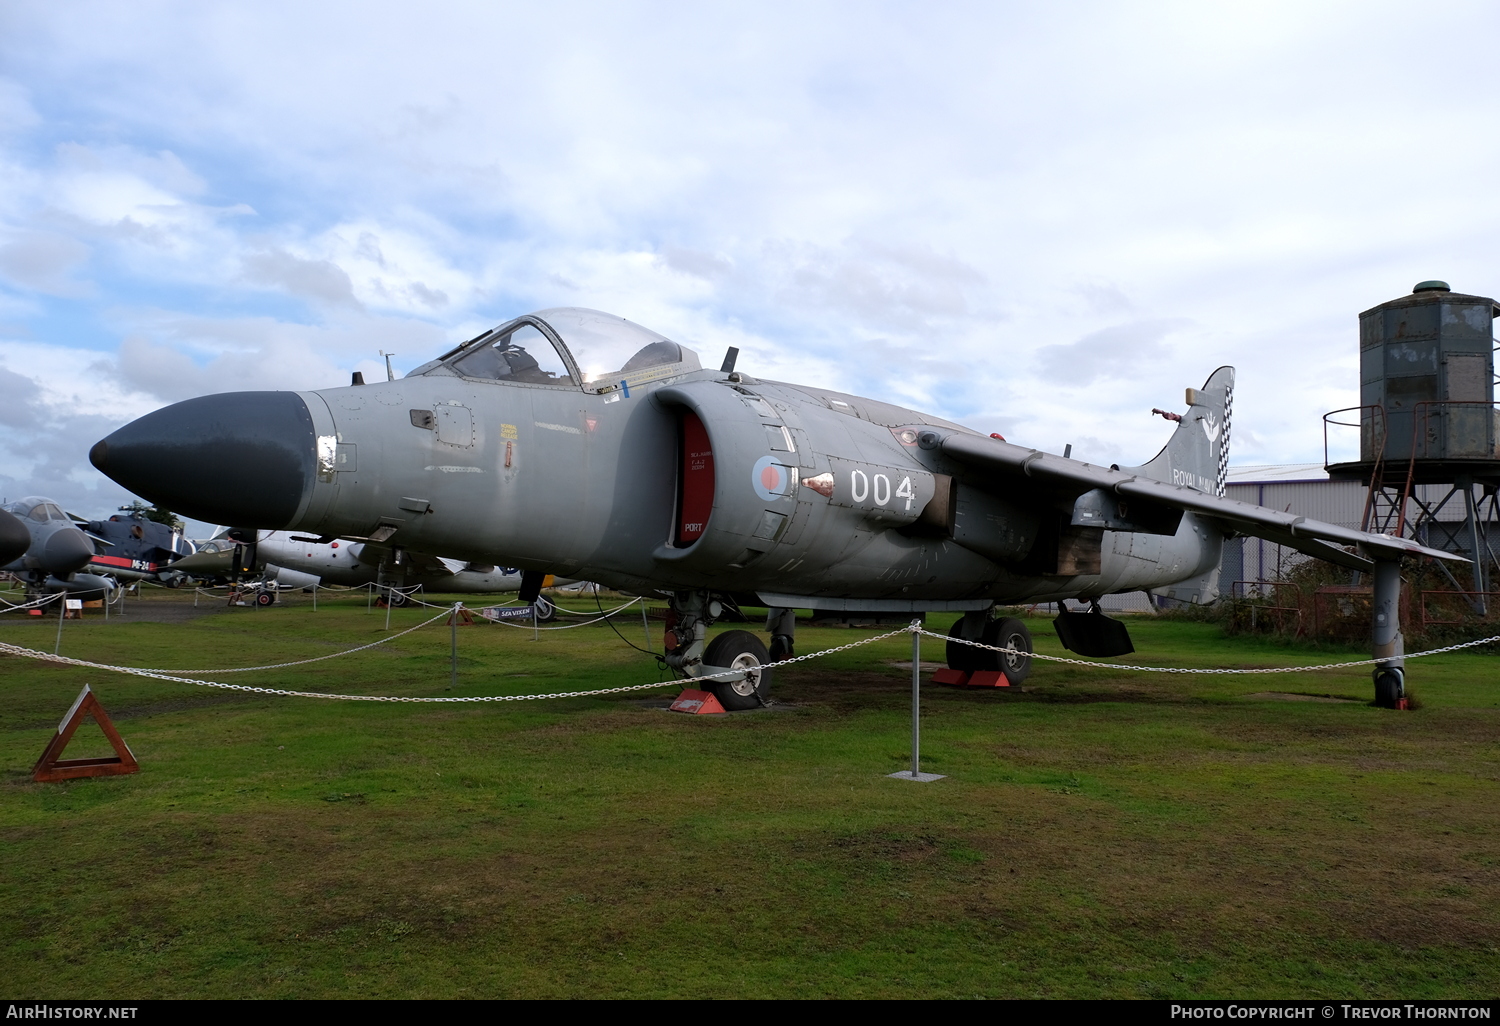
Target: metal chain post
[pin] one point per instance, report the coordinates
(916, 703)
(453, 621)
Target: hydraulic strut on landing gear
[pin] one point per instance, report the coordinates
(1390, 646)
(739, 655)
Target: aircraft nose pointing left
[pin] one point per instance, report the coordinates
(242, 458)
(65, 551)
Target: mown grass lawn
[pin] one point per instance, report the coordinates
(1104, 833)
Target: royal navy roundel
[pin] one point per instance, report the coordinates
(770, 478)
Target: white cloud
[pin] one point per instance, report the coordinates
(43, 262)
(1040, 220)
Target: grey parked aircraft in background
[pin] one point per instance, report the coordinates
(56, 550)
(297, 561)
(574, 442)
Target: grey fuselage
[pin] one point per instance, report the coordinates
(581, 484)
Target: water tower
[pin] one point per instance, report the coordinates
(1429, 430)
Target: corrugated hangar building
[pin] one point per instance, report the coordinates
(1304, 489)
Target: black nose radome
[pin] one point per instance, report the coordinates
(65, 551)
(14, 538)
(236, 458)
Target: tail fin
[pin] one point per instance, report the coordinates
(1197, 455)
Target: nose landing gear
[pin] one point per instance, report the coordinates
(741, 656)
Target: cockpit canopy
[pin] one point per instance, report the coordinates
(37, 508)
(567, 346)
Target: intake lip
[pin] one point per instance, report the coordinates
(243, 458)
(66, 549)
(14, 538)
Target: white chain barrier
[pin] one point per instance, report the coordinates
(914, 628)
(316, 659)
(523, 625)
(1188, 669)
(594, 612)
(12, 607)
(17, 650)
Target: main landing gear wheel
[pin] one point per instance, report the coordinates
(1011, 633)
(740, 650)
(396, 598)
(264, 598)
(546, 612)
(967, 657)
(1004, 633)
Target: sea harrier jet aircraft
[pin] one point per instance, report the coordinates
(577, 443)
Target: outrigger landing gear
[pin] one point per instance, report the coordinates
(742, 653)
(1390, 646)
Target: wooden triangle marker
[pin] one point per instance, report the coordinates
(50, 768)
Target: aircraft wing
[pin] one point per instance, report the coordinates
(1313, 537)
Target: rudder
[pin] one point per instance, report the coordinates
(1197, 454)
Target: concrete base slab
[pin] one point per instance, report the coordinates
(920, 778)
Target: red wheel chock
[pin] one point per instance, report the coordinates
(970, 679)
(697, 703)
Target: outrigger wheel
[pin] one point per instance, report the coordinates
(1006, 632)
(739, 650)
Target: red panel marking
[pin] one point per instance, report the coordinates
(695, 499)
(121, 561)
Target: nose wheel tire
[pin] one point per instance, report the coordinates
(264, 598)
(740, 650)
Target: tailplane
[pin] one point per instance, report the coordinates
(1197, 455)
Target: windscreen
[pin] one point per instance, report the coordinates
(524, 354)
(37, 509)
(609, 349)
